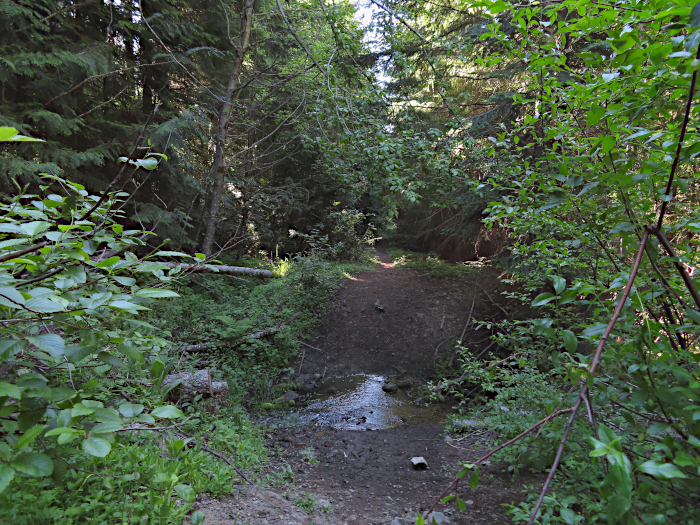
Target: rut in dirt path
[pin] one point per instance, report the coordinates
(394, 320)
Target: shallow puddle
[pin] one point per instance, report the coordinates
(359, 403)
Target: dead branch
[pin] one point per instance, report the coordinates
(234, 270)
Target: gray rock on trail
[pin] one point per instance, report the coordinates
(468, 423)
(419, 463)
(390, 387)
(437, 518)
(288, 396)
(307, 388)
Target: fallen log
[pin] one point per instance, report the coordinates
(232, 270)
(203, 347)
(197, 382)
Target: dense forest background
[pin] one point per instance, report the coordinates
(145, 142)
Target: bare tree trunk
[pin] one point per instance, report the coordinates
(218, 170)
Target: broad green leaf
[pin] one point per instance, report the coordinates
(110, 359)
(617, 507)
(51, 343)
(29, 436)
(11, 242)
(167, 412)
(66, 438)
(81, 410)
(661, 470)
(107, 428)
(693, 314)
(97, 447)
(63, 430)
(7, 389)
(10, 297)
(568, 516)
(638, 134)
(695, 16)
(151, 267)
(35, 227)
(108, 262)
(31, 380)
(145, 418)
(44, 306)
(594, 330)
(126, 305)
(185, 492)
(130, 409)
(131, 352)
(155, 293)
(125, 281)
(147, 164)
(570, 341)
(543, 299)
(172, 254)
(474, 480)
(91, 403)
(75, 354)
(559, 284)
(7, 474)
(8, 134)
(607, 144)
(9, 347)
(498, 6)
(33, 464)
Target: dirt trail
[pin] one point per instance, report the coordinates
(365, 477)
(391, 320)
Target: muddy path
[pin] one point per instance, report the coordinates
(348, 446)
(394, 321)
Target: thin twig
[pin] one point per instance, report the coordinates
(221, 457)
(128, 429)
(492, 452)
(677, 158)
(469, 319)
(690, 285)
(303, 355)
(70, 375)
(312, 347)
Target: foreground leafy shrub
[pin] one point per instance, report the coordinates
(74, 445)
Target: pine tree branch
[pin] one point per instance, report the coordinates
(65, 9)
